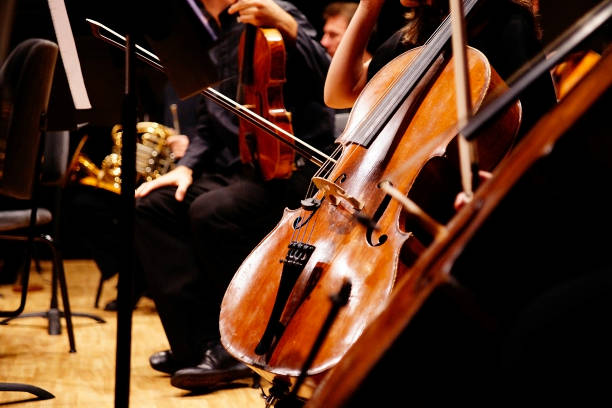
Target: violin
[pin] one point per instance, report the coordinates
(262, 75)
(279, 297)
(245, 114)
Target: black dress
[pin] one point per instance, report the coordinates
(536, 275)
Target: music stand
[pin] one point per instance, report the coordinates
(190, 71)
(187, 29)
(68, 108)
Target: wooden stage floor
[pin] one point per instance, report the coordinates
(28, 354)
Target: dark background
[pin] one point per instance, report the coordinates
(103, 70)
(103, 65)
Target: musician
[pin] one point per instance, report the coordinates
(435, 350)
(196, 224)
(507, 35)
(337, 16)
(102, 207)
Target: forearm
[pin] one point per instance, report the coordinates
(287, 26)
(199, 143)
(347, 73)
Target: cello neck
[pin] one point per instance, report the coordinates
(407, 81)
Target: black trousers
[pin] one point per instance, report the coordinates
(190, 250)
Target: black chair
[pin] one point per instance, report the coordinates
(25, 86)
(52, 175)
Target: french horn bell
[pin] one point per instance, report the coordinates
(153, 158)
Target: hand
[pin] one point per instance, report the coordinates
(181, 177)
(178, 144)
(462, 198)
(265, 13)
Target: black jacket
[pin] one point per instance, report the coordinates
(216, 144)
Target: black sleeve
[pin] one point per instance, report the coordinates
(199, 145)
(307, 52)
(306, 69)
(391, 48)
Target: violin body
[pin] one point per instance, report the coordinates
(341, 247)
(262, 62)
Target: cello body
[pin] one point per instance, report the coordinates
(262, 76)
(339, 247)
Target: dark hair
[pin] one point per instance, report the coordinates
(340, 8)
(423, 20)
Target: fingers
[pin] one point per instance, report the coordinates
(484, 175)
(145, 188)
(178, 144)
(246, 14)
(176, 139)
(148, 186)
(256, 12)
(181, 177)
(181, 190)
(239, 6)
(460, 200)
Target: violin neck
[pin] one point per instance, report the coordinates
(247, 71)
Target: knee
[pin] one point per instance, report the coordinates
(142, 205)
(143, 211)
(211, 215)
(201, 218)
(155, 204)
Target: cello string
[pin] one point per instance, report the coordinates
(405, 83)
(409, 73)
(322, 171)
(402, 85)
(528, 72)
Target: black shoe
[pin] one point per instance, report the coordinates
(165, 362)
(218, 369)
(113, 305)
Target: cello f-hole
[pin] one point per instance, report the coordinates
(377, 214)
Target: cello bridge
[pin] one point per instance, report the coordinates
(335, 193)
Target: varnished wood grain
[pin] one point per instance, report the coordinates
(28, 354)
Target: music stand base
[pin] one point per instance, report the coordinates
(32, 389)
(55, 328)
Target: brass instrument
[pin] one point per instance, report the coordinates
(153, 158)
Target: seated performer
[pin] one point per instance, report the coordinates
(534, 299)
(195, 224)
(337, 16)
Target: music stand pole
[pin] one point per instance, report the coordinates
(128, 181)
(189, 71)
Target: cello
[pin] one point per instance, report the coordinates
(434, 267)
(278, 298)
